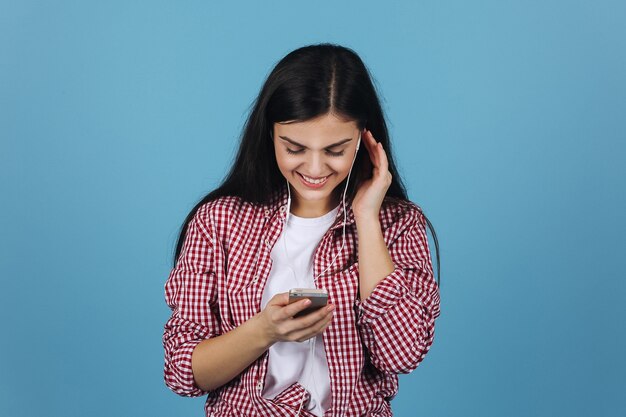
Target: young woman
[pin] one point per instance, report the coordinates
(313, 200)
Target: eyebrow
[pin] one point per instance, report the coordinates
(293, 142)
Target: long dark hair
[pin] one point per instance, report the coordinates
(308, 82)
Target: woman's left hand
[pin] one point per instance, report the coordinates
(371, 193)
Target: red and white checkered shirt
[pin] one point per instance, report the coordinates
(217, 284)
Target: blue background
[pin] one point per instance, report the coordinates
(508, 121)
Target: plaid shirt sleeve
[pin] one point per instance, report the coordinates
(191, 295)
(397, 320)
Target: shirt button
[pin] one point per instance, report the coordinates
(267, 243)
(255, 279)
(267, 213)
(282, 209)
(259, 386)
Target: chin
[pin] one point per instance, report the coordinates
(313, 195)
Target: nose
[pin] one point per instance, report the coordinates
(316, 164)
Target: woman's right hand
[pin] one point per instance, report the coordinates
(278, 324)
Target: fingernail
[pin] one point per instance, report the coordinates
(330, 308)
(307, 302)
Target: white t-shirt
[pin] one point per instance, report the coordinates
(290, 361)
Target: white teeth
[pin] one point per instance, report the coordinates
(312, 181)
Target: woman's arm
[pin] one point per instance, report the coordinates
(198, 357)
(399, 303)
(218, 360)
(191, 294)
(374, 260)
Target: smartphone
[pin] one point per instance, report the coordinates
(318, 297)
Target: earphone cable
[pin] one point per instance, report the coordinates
(309, 369)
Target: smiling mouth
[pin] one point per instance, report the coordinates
(314, 181)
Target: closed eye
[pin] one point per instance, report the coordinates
(330, 153)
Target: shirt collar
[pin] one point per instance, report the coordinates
(278, 204)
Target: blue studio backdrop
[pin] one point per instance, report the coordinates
(508, 123)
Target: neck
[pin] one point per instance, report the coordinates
(312, 208)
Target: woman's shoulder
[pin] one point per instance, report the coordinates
(399, 211)
(220, 208)
(223, 211)
(220, 204)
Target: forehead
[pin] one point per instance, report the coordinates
(321, 131)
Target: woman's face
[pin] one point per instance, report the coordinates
(315, 156)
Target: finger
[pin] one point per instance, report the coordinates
(372, 149)
(308, 322)
(368, 142)
(307, 333)
(314, 317)
(376, 147)
(382, 156)
(305, 323)
(280, 299)
(294, 308)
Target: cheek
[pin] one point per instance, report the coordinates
(280, 158)
(285, 164)
(342, 167)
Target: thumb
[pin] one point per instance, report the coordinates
(280, 299)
